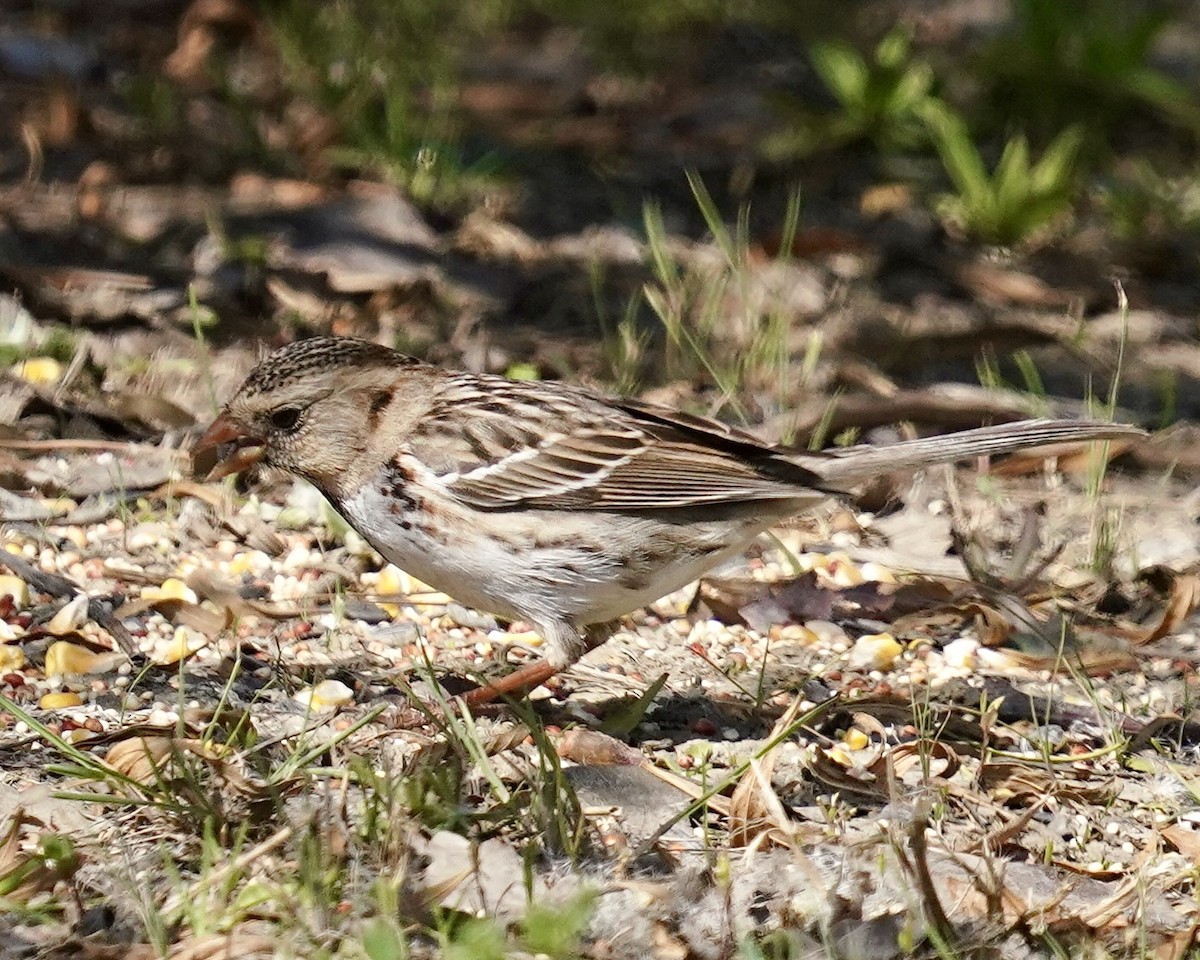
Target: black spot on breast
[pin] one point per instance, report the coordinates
(379, 402)
(396, 487)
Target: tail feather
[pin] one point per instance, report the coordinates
(853, 464)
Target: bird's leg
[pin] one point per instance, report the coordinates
(516, 684)
(564, 645)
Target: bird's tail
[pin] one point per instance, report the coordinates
(853, 464)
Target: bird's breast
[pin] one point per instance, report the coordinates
(538, 565)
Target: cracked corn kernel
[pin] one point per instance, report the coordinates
(842, 573)
(70, 617)
(60, 700)
(326, 696)
(16, 588)
(63, 657)
(877, 573)
(38, 370)
(253, 562)
(875, 651)
(183, 643)
(11, 658)
(855, 739)
(171, 589)
(962, 653)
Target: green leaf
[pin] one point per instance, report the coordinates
(1056, 168)
(382, 941)
(1010, 182)
(960, 158)
(477, 939)
(622, 722)
(894, 49)
(555, 931)
(842, 70)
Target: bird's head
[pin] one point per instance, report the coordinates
(309, 408)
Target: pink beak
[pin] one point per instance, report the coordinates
(224, 449)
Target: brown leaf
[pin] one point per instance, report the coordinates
(1185, 598)
(1183, 839)
(182, 612)
(591, 748)
(141, 758)
(755, 808)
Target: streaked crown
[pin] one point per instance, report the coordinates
(299, 360)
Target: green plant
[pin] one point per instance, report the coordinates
(388, 73)
(1020, 197)
(879, 99)
(719, 326)
(1106, 521)
(624, 342)
(1142, 203)
(1066, 61)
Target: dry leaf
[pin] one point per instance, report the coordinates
(1185, 598)
(590, 748)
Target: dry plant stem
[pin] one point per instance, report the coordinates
(920, 869)
(78, 444)
(277, 839)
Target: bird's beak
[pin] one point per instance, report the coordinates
(224, 449)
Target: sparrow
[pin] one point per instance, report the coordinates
(538, 501)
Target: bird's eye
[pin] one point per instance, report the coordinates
(286, 419)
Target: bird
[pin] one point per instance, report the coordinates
(542, 501)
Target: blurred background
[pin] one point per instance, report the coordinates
(772, 211)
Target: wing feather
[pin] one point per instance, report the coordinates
(576, 450)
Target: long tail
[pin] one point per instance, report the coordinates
(852, 464)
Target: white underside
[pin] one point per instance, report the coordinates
(550, 585)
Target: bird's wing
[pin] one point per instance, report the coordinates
(497, 444)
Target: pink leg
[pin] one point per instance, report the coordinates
(517, 683)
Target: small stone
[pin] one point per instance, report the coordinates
(357, 608)
(472, 619)
(298, 558)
